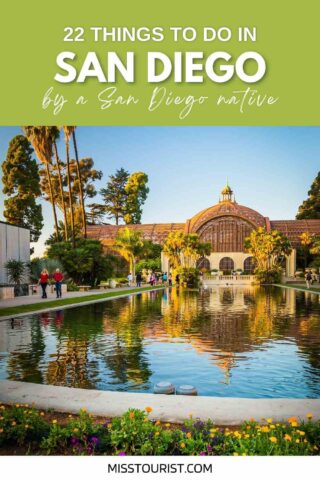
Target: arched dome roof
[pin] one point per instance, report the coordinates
(226, 208)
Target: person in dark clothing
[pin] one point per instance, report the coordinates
(58, 277)
(43, 282)
(138, 279)
(178, 280)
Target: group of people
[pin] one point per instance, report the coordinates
(154, 278)
(310, 278)
(44, 280)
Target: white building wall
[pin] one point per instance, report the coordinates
(14, 244)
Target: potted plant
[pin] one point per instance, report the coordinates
(17, 273)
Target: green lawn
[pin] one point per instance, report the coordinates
(33, 307)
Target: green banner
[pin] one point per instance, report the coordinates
(160, 63)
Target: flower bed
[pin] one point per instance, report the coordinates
(133, 433)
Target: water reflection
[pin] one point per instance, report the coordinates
(232, 341)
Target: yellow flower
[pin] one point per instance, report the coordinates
(301, 433)
(287, 437)
(294, 424)
(213, 430)
(297, 441)
(2, 407)
(26, 426)
(54, 421)
(14, 424)
(265, 429)
(70, 416)
(157, 434)
(189, 435)
(272, 427)
(309, 416)
(146, 420)
(17, 405)
(273, 439)
(235, 454)
(167, 424)
(190, 415)
(1, 418)
(269, 420)
(315, 447)
(75, 430)
(83, 410)
(247, 435)
(182, 445)
(42, 414)
(109, 425)
(131, 415)
(148, 409)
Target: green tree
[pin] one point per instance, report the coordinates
(269, 250)
(115, 196)
(137, 192)
(183, 249)
(306, 242)
(130, 245)
(85, 262)
(310, 208)
(42, 142)
(21, 183)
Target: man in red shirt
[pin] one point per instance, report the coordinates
(58, 277)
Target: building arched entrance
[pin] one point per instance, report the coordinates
(249, 265)
(203, 263)
(226, 264)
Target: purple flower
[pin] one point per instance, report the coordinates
(202, 454)
(198, 425)
(121, 454)
(74, 441)
(94, 440)
(209, 448)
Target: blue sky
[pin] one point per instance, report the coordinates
(269, 168)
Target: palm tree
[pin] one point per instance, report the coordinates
(130, 245)
(41, 140)
(55, 135)
(67, 140)
(72, 131)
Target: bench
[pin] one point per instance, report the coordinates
(103, 286)
(84, 288)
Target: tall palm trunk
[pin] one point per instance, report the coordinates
(69, 188)
(52, 200)
(82, 206)
(61, 192)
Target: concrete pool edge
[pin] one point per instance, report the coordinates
(79, 304)
(170, 408)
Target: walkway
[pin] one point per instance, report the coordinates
(30, 299)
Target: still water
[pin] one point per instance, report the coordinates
(232, 341)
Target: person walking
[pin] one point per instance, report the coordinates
(164, 278)
(129, 277)
(178, 280)
(138, 279)
(43, 282)
(170, 279)
(58, 277)
(308, 278)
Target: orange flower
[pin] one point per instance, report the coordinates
(1, 430)
(189, 435)
(182, 445)
(292, 419)
(148, 409)
(287, 437)
(131, 415)
(14, 424)
(158, 422)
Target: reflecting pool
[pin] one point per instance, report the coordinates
(229, 341)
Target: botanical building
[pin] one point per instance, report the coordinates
(224, 225)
